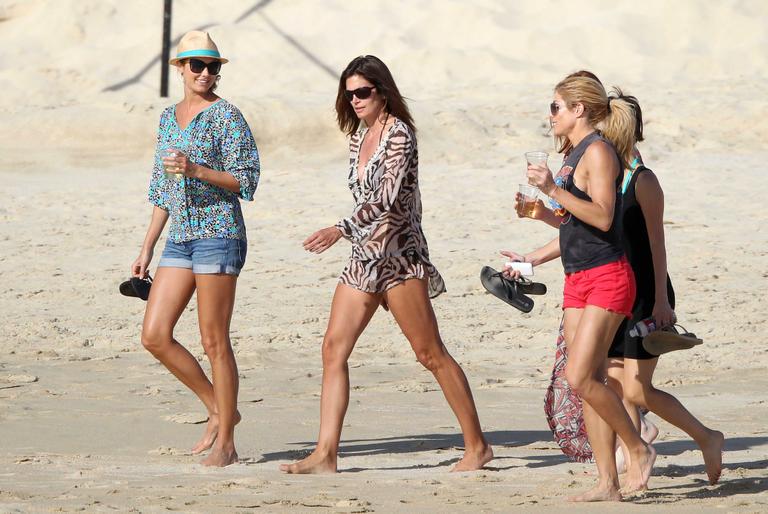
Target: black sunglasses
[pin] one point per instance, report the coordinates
(197, 66)
(554, 108)
(362, 93)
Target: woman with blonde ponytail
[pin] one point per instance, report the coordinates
(630, 367)
(597, 133)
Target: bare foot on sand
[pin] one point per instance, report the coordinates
(640, 471)
(475, 460)
(316, 463)
(211, 432)
(220, 457)
(601, 493)
(713, 455)
(648, 433)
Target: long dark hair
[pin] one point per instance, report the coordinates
(376, 72)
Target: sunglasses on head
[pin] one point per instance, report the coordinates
(362, 93)
(197, 66)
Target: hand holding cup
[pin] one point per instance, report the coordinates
(540, 177)
(533, 209)
(537, 173)
(177, 164)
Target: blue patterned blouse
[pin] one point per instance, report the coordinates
(218, 138)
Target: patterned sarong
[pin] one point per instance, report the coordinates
(563, 409)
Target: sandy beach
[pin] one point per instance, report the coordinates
(89, 421)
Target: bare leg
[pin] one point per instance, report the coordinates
(588, 336)
(602, 439)
(215, 302)
(170, 294)
(410, 305)
(648, 431)
(640, 391)
(351, 311)
(615, 376)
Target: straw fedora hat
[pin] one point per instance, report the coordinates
(196, 43)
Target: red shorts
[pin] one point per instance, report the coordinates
(610, 286)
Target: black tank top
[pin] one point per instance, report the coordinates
(583, 246)
(638, 249)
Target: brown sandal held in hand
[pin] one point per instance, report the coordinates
(669, 339)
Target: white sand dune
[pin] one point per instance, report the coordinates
(90, 421)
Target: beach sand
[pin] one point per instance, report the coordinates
(89, 421)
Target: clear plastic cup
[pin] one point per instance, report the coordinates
(170, 171)
(537, 157)
(529, 194)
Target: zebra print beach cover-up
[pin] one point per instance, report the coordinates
(388, 244)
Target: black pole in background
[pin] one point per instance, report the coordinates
(166, 48)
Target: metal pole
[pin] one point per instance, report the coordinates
(166, 48)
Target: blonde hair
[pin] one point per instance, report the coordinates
(610, 114)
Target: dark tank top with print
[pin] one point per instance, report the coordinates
(583, 246)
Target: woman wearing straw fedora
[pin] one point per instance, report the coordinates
(205, 162)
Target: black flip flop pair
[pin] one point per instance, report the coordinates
(136, 287)
(512, 292)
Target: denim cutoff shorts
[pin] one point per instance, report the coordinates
(206, 256)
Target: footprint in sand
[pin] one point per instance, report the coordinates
(11, 381)
(167, 450)
(146, 391)
(18, 379)
(353, 502)
(187, 418)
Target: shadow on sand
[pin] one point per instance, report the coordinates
(425, 443)
(517, 438)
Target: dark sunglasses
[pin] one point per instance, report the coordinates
(362, 93)
(197, 66)
(554, 108)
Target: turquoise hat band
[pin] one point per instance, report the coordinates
(199, 53)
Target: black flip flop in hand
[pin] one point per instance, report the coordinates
(510, 291)
(137, 287)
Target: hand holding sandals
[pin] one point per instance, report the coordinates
(663, 313)
(509, 273)
(140, 267)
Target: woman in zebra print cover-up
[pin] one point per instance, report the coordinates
(390, 262)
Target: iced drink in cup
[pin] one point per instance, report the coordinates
(528, 196)
(170, 171)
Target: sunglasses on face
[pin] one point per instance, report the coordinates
(554, 108)
(197, 66)
(362, 93)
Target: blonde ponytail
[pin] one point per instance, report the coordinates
(619, 125)
(613, 115)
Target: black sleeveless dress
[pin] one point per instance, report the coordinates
(638, 249)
